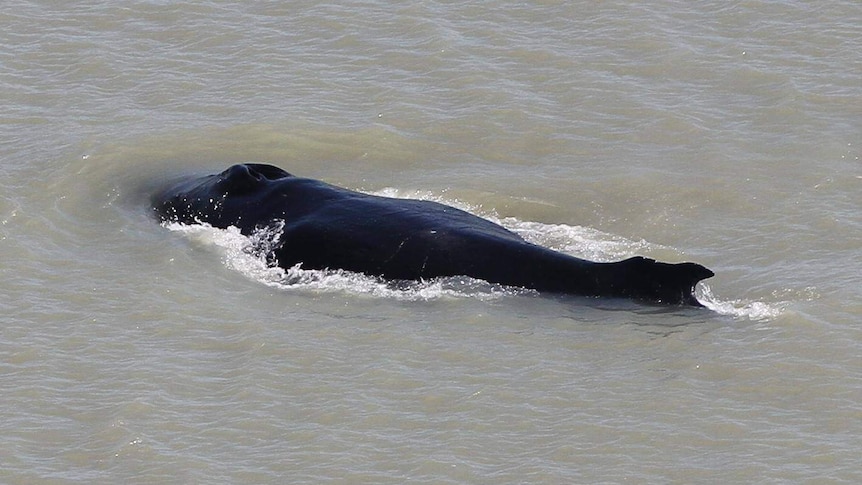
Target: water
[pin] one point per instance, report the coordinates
(723, 133)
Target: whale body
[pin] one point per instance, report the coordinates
(329, 227)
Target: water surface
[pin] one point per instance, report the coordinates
(723, 133)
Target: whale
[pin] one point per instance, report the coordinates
(323, 226)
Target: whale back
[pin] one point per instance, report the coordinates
(325, 226)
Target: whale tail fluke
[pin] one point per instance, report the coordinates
(665, 283)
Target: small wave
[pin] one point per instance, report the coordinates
(583, 242)
(252, 256)
(579, 241)
(741, 309)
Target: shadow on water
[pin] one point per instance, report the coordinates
(655, 319)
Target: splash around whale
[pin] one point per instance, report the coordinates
(327, 227)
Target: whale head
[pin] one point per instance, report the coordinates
(220, 199)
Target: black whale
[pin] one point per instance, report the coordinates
(401, 239)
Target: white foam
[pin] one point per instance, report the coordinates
(240, 253)
(583, 242)
(252, 256)
(741, 309)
